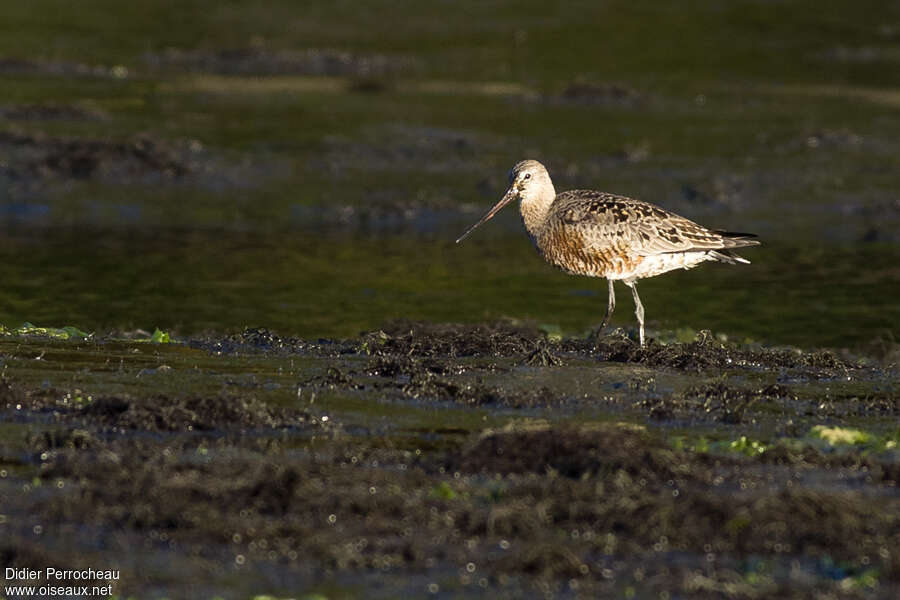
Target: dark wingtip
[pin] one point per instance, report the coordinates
(735, 234)
(734, 239)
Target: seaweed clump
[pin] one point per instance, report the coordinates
(706, 352)
(716, 401)
(498, 339)
(259, 340)
(573, 452)
(188, 414)
(159, 413)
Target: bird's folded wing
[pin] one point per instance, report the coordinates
(605, 220)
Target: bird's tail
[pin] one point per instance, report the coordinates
(727, 256)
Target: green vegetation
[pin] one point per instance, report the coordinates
(443, 491)
(821, 437)
(840, 435)
(160, 337)
(748, 447)
(61, 333)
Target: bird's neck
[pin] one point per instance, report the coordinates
(534, 210)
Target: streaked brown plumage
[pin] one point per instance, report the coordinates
(585, 232)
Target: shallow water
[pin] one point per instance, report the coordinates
(325, 214)
(338, 284)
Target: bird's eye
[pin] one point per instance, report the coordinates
(527, 176)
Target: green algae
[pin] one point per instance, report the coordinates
(61, 333)
(845, 441)
(840, 435)
(160, 337)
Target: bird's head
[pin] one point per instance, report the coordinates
(529, 183)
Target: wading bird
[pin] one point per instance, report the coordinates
(585, 232)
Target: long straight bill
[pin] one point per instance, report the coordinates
(508, 197)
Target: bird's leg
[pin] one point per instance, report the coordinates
(609, 307)
(638, 310)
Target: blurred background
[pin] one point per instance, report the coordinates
(305, 166)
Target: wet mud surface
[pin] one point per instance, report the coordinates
(44, 157)
(37, 162)
(444, 460)
(14, 65)
(404, 148)
(51, 112)
(259, 61)
(591, 93)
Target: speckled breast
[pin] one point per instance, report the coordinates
(568, 250)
